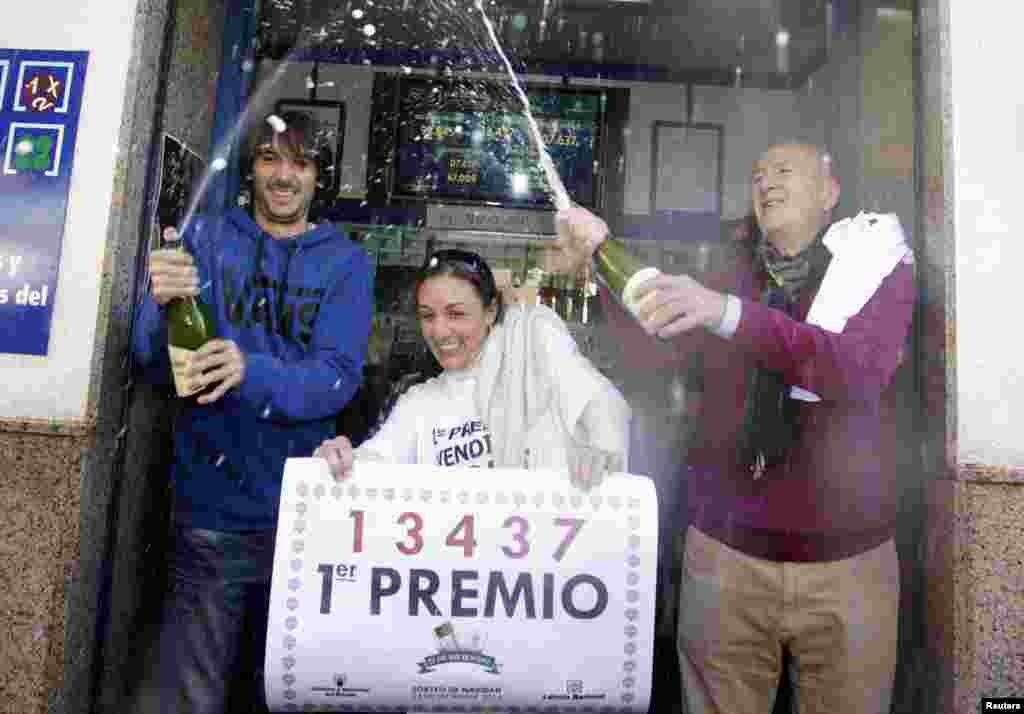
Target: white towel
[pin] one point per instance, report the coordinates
(514, 390)
(865, 249)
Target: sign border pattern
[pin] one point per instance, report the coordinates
(500, 496)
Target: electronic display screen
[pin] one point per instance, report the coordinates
(469, 144)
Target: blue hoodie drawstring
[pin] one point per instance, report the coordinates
(260, 237)
(259, 276)
(291, 248)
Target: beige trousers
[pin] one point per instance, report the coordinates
(838, 619)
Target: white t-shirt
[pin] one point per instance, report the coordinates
(434, 423)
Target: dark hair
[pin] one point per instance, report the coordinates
(300, 137)
(467, 266)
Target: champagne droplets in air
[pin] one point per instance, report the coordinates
(331, 30)
(228, 141)
(360, 18)
(277, 124)
(310, 84)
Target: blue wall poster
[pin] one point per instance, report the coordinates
(40, 101)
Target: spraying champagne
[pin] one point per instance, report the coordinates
(620, 271)
(190, 325)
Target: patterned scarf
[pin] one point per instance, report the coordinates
(770, 423)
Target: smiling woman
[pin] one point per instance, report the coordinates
(515, 391)
(457, 303)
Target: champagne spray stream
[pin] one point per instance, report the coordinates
(561, 196)
(616, 268)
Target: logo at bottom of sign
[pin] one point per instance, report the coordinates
(451, 649)
(338, 688)
(574, 692)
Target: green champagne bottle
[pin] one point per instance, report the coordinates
(582, 298)
(622, 272)
(190, 325)
(548, 293)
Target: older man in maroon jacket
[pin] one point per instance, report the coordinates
(792, 500)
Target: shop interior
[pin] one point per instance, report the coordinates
(653, 112)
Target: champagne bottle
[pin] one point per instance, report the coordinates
(190, 325)
(548, 294)
(593, 306)
(582, 299)
(597, 48)
(622, 272)
(563, 297)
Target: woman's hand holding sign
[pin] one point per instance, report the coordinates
(588, 465)
(339, 455)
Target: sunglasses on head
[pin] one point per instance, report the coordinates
(454, 256)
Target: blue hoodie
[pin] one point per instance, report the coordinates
(300, 310)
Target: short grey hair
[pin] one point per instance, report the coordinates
(821, 152)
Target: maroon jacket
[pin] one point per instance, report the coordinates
(836, 495)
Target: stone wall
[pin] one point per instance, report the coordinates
(83, 539)
(39, 544)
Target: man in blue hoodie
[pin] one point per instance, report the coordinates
(293, 305)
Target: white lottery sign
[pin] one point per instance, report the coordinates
(418, 588)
